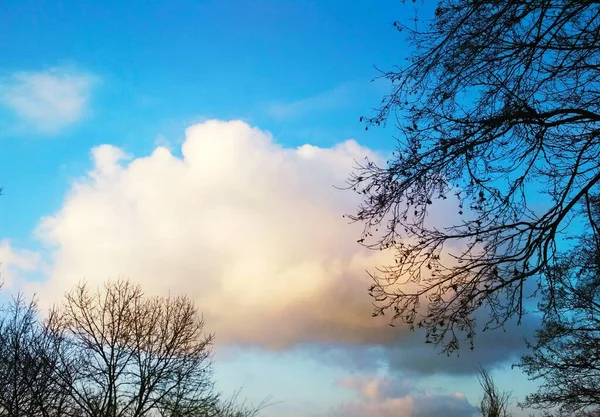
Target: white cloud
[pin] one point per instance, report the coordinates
(47, 101)
(251, 230)
(14, 263)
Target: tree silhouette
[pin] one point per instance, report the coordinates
(125, 354)
(110, 353)
(497, 108)
(494, 403)
(27, 364)
(566, 354)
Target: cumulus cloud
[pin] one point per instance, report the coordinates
(47, 101)
(251, 230)
(391, 397)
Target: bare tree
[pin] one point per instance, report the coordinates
(498, 108)
(232, 407)
(18, 367)
(113, 352)
(26, 367)
(494, 403)
(124, 354)
(565, 357)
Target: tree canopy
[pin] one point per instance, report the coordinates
(114, 352)
(124, 354)
(498, 109)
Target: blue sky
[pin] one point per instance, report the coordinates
(295, 75)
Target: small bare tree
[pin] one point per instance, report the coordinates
(18, 367)
(494, 403)
(124, 354)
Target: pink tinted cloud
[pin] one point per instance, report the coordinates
(391, 397)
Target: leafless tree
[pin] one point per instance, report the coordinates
(233, 407)
(111, 353)
(565, 357)
(494, 403)
(125, 354)
(498, 109)
(28, 387)
(18, 366)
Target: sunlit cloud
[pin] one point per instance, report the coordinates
(47, 101)
(253, 232)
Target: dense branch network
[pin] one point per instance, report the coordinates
(565, 357)
(498, 107)
(110, 353)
